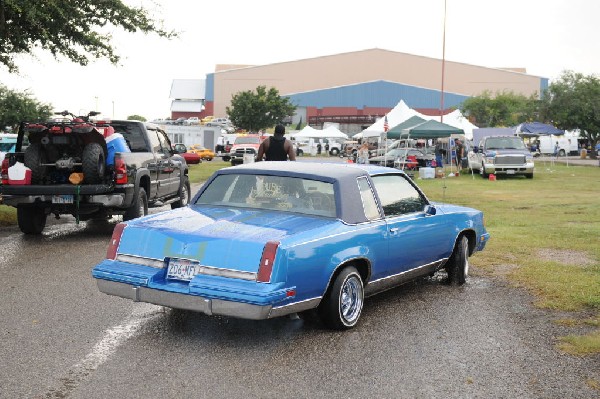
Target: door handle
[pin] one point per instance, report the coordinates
(394, 230)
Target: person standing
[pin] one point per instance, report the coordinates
(362, 155)
(439, 154)
(460, 148)
(276, 147)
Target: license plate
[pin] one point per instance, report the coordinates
(62, 199)
(182, 269)
(510, 172)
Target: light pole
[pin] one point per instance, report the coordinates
(113, 113)
(443, 66)
(96, 109)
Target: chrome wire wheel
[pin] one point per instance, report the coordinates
(351, 299)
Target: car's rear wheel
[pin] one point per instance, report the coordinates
(458, 264)
(184, 195)
(343, 303)
(31, 220)
(139, 207)
(93, 163)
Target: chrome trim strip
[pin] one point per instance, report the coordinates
(295, 307)
(386, 283)
(205, 270)
(138, 260)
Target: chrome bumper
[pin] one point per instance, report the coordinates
(199, 304)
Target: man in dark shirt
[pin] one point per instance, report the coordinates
(276, 147)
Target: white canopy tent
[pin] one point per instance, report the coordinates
(331, 132)
(401, 112)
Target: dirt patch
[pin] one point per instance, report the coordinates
(566, 256)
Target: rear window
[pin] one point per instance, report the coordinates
(281, 193)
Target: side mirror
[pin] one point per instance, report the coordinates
(430, 210)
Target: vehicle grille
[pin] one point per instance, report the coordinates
(245, 151)
(510, 160)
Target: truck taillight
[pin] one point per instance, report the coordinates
(120, 170)
(5, 171)
(111, 252)
(266, 262)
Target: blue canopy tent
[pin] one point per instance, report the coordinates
(537, 129)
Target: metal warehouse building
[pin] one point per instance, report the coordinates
(356, 87)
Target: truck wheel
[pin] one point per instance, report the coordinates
(342, 305)
(334, 152)
(35, 159)
(139, 207)
(93, 163)
(458, 264)
(483, 174)
(184, 195)
(31, 220)
(529, 175)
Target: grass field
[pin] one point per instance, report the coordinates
(545, 237)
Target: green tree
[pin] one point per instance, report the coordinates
(573, 102)
(503, 109)
(18, 107)
(136, 118)
(258, 110)
(73, 29)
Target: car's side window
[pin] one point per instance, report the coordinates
(368, 199)
(397, 195)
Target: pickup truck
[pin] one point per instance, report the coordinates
(73, 171)
(244, 145)
(506, 155)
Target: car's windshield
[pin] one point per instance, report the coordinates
(288, 194)
(505, 143)
(247, 140)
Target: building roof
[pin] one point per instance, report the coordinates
(188, 89)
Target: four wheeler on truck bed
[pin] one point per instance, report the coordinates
(69, 145)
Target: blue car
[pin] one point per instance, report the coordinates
(267, 239)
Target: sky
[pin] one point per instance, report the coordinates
(546, 37)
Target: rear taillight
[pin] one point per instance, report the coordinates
(111, 252)
(5, 171)
(120, 170)
(266, 262)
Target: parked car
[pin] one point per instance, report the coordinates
(218, 122)
(192, 121)
(203, 152)
(206, 119)
(190, 157)
(266, 239)
(398, 156)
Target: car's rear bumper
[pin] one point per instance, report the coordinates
(206, 294)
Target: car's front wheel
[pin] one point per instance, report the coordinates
(458, 264)
(343, 303)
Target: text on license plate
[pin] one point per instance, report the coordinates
(62, 199)
(182, 269)
(510, 172)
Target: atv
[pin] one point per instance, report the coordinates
(71, 144)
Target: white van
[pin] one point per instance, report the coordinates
(567, 144)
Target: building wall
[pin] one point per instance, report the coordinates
(420, 78)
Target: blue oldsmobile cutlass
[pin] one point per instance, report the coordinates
(267, 239)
